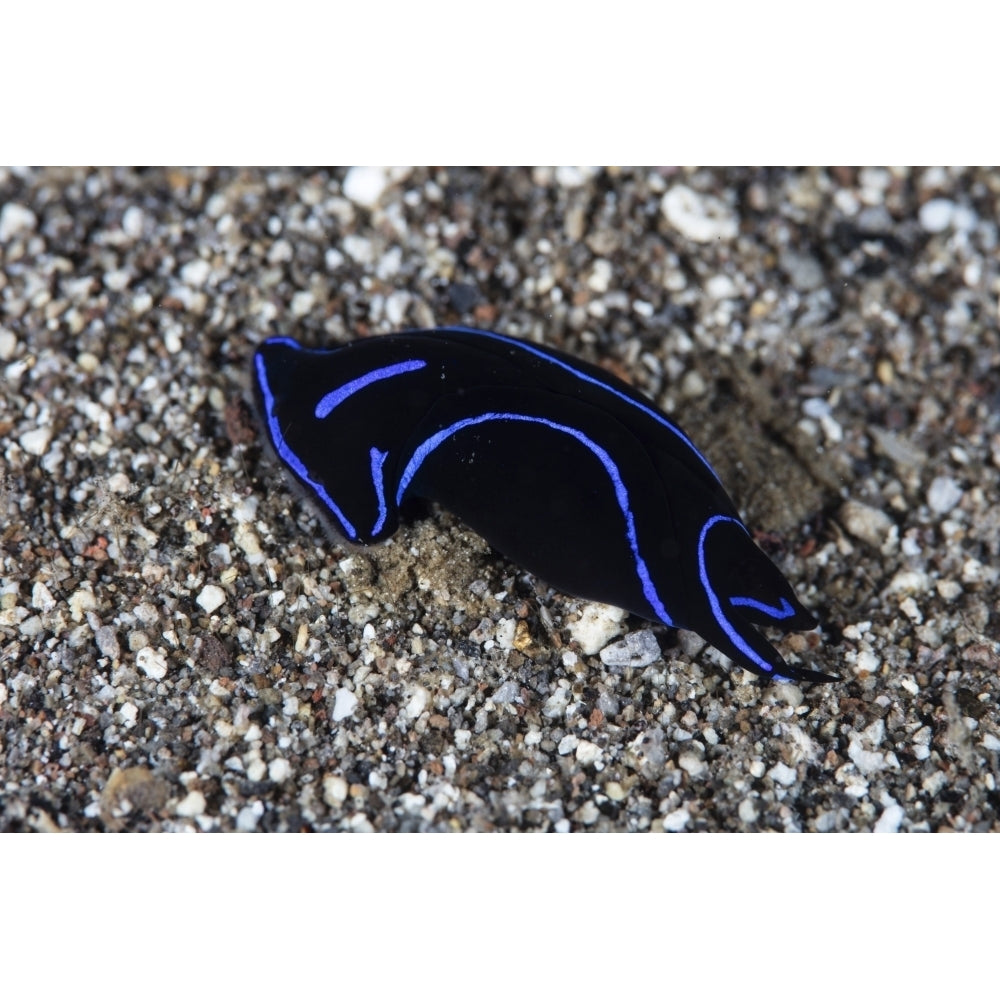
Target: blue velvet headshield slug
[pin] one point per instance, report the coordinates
(560, 466)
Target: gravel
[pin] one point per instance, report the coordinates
(183, 647)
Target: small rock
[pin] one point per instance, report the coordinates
(675, 821)
(892, 816)
(107, 642)
(152, 662)
(365, 185)
(211, 598)
(699, 217)
(195, 273)
(782, 774)
(637, 649)
(597, 625)
(334, 790)
(864, 522)
(8, 345)
(944, 494)
(936, 214)
(344, 703)
(41, 597)
(81, 601)
(279, 770)
(249, 816)
(193, 804)
(15, 219)
(133, 221)
(691, 763)
(36, 441)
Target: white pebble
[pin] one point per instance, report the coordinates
(334, 790)
(279, 770)
(864, 522)
(676, 821)
(637, 649)
(195, 272)
(152, 662)
(936, 214)
(600, 276)
(358, 248)
(366, 185)
(132, 222)
(249, 816)
(395, 307)
(721, 286)
(943, 495)
(36, 441)
(193, 804)
(344, 703)
(81, 601)
(117, 281)
(555, 705)
(41, 597)
(782, 774)
(587, 752)
(14, 219)
(597, 626)
(302, 304)
(909, 581)
(866, 662)
(691, 763)
(574, 177)
(699, 217)
(8, 344)
(211, 598)
(507, 694)
(568, 744)
(866, 761)
(419, 699)
(891, 817)
(256, 769)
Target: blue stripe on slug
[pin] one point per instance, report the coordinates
(378, 460)
(288, 456)
(621, 493)
(783, 610)
(658, 416)
(335, 397)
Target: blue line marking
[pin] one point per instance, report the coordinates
(783, 610)
(621, 493)
(333, 399)
(287, 455)
(737, 640)
(378, 460)
(658, 417)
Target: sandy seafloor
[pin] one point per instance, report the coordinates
(182, 645)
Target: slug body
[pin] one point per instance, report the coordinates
(562, 467)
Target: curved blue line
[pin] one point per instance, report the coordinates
(648, 410)
(713, 601)
(378, 460)
(621, 493)
(287, 455)
(334, 398)
(783, 610)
